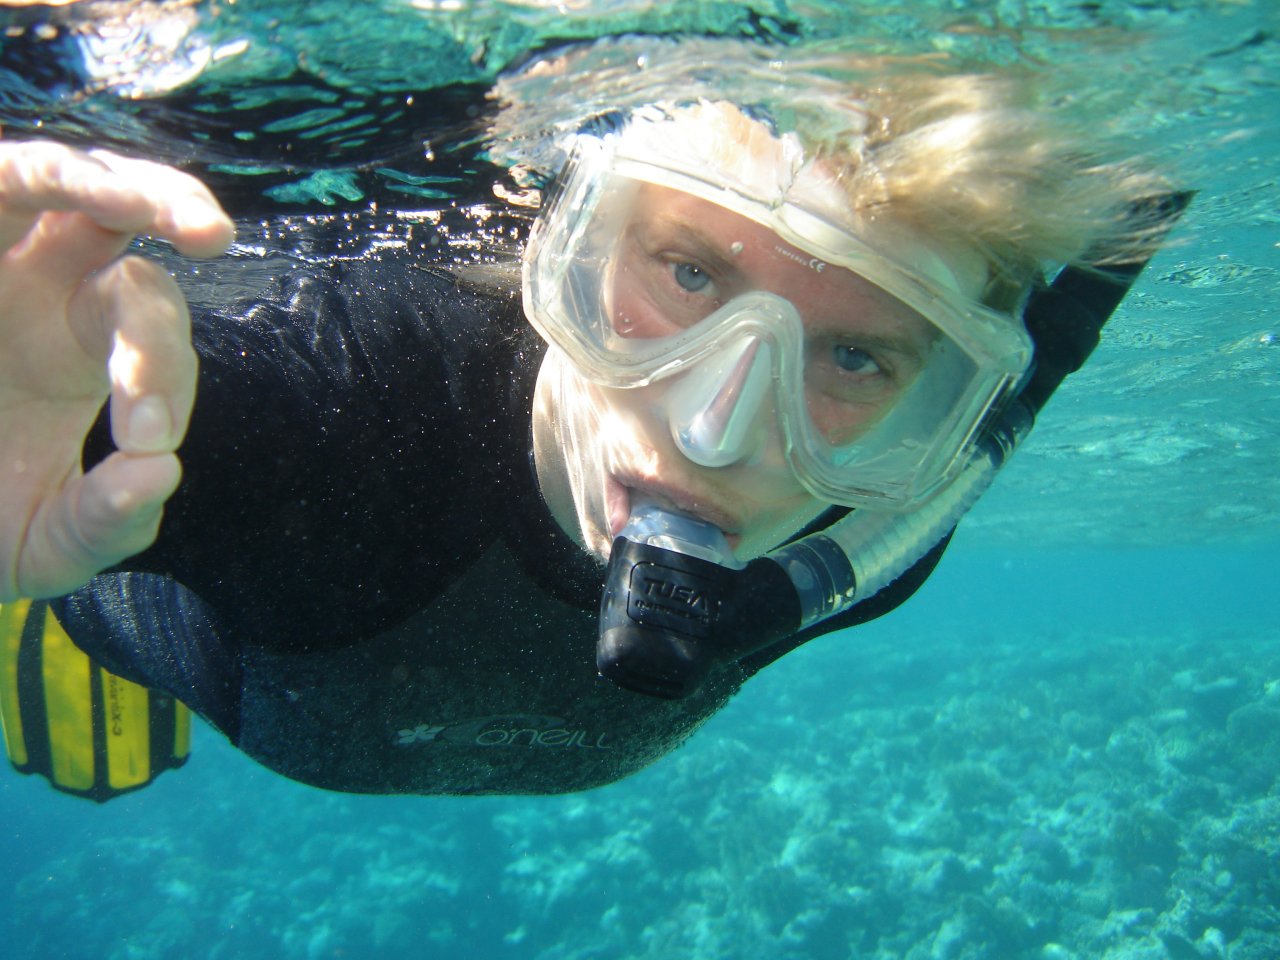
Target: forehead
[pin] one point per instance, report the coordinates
(757, 258)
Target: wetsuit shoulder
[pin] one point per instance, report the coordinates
(336, 468)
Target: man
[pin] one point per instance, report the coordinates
(379, 564)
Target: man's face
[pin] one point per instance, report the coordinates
(680, 258)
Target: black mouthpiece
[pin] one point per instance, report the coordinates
(668, 619)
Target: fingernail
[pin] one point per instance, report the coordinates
(150, 426)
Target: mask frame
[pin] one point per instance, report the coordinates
(914, 451)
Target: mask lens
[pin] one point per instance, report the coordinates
(681, 261)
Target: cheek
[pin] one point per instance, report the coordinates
(777, 521)
(626, 314)
(632, 312)
(840, 422)
(784, 499)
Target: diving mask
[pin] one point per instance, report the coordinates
(697, 251)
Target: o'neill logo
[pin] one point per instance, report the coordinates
(506, 730)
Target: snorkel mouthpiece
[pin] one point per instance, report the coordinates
(676, 604)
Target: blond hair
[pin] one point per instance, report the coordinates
(1003, 160)
(972, 159)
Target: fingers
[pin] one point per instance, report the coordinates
(120, 195)
(65, 216)
(38, 177)
(59, 251)
(108, 514)
(186, 213)
(152, 366)
(81, 523)
(115, 512)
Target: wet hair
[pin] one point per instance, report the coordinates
(974, 159)
(1005, 161)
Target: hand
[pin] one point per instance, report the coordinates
(80, 324)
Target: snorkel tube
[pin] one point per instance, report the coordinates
(676, 604)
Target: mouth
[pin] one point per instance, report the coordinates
(618, 492)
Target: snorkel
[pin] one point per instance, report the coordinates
(677, 605)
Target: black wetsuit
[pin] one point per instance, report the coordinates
(358, 581)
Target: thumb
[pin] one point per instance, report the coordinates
(98, 519)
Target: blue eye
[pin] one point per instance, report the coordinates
(690, 277)
(854, 360)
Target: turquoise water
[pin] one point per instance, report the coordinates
(1066, 745)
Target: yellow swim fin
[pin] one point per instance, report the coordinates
(87, 731)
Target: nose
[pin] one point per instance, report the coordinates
(715, 407)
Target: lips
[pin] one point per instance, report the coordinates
(618, 504)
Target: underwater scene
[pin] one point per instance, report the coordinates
(1065, 746)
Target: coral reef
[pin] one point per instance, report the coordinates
(977, 797)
